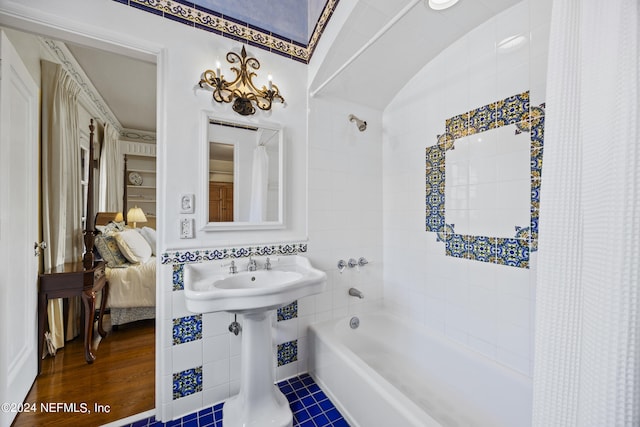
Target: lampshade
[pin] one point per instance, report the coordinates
(119, 217)
(135, 215)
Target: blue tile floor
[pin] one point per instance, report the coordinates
(310, 407)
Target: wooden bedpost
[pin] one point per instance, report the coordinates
(124, 193)
(89, 227)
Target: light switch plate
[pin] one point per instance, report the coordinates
(186, 203)
(186, 228)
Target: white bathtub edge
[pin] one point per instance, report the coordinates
(402, 406)
(363, 394)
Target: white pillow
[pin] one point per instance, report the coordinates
(133, 246)
(149, 235)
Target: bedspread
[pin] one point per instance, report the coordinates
(134, 286)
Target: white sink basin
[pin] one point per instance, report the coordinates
(257, 279)
(209, 287)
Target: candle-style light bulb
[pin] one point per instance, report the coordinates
(218, 69)
(270, 78)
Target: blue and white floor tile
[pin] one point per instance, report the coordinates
(310, 407)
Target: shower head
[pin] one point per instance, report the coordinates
(362, 125)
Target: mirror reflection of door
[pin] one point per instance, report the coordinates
(243, 179)
(221, 172)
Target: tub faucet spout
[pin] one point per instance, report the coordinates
(356, 293)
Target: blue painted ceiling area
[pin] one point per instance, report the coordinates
(290, 19)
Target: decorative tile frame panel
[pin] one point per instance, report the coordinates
(287, 352)
(506, 251)
(187, 329)
(187, 382)
(193, 15)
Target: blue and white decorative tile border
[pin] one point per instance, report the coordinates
(506, 251)
(183, 257)
(178, 277)
(196, 16)
(187, 382)
(287, 352)
(287, 312)
(187, 329)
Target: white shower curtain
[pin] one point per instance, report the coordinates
(259, 182)
(111, 172)
(587, 349)
(61, 193)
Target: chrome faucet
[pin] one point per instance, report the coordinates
(356, 293)
(232, 268)
(267, 264)
(342, 265)
(252, 266)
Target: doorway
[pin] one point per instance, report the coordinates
(138, 335)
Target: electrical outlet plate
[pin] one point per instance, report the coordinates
(186, 228)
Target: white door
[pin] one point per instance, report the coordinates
(19, 130)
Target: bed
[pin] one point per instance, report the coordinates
(131, 268)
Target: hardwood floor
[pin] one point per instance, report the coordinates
(121, 380)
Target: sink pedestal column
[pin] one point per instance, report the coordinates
(260, 403)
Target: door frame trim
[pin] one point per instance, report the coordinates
(28, 19)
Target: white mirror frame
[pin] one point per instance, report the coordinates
(202, 206)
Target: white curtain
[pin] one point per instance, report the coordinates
(61, 192)
(111, 172)
(587, 349)
(259, 182)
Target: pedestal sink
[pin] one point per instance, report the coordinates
(209, 288)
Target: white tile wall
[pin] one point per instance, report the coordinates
(187, 355)
(345, 209)
(366, 198)
(485, 306)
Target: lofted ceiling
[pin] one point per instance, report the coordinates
(395, 54)
(380, 46)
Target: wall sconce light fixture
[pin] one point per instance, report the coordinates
(241, 91)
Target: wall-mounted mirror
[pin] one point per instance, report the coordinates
(243, 178)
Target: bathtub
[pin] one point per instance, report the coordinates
(388, 372)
